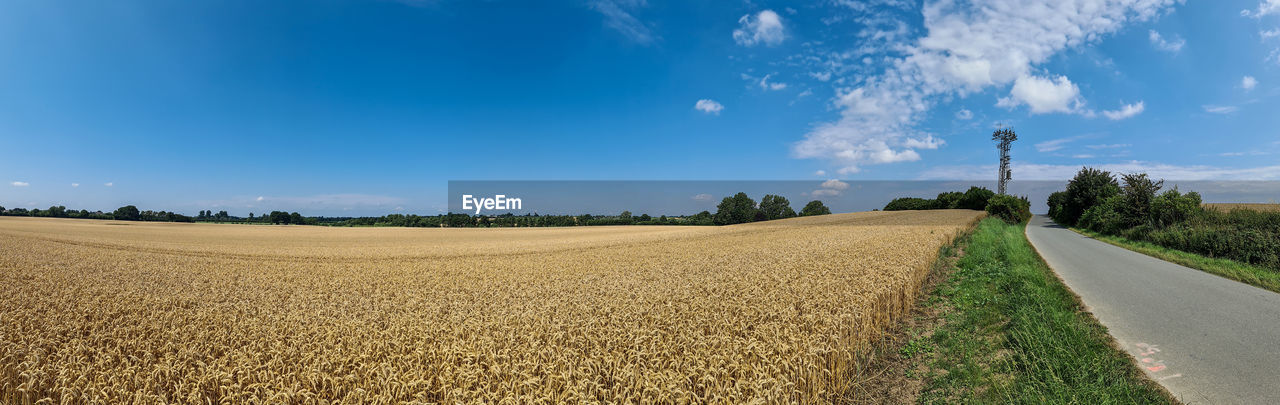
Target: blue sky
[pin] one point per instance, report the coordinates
(370, 107)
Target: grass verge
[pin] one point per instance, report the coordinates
(1011, 332)
(1243, 272)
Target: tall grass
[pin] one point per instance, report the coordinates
(1018, 335)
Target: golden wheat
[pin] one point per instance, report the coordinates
(1226, 207)
(114, 312)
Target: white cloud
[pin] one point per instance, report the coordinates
(1248, 82)
(834, 184)
(1168, 45)
(964, 114)
(1083, 156)
(20, 184)
(708, 106)
(968, 49)
(109, 184)
(1129, 110)
(260, 198)
(762, 28)
(702, 197)
(1043, 95)
(617, 15)
(820, 173)
(830, 187)
(1264, 8)
(1269, 33)
(1249, 153)
(1034, 171)
(1220, 109)
(929, 142)
(1054, 144)
(1108, 146)
(75, 184)
(766, 85)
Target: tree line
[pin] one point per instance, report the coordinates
(1133, 207)
(125, 213)
(732, 210)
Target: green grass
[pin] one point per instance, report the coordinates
(1012, 333)
(1243, 272)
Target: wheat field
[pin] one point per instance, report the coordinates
(1227, 207)
(771, 312)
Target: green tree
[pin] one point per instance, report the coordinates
(814, 207)
(279, 217)
(1088, 188)
(1138, 191)
(296, 218)
(776, 207)
(127, 213)
(735, 210)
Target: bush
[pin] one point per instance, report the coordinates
(948, 200)
(910, 204)
(1106, 218)
(1088, 188)
(1056, 200)
(975, 199)
(1172, 207)
(1011, 209)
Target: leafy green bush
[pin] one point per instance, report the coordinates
(1011, 209)
(1172, 207)
(1106, 218)
(1056, 201)
(975, 199)
(910, 204)
(1088, 188)
(948, 200)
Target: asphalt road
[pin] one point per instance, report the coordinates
(1207, 339)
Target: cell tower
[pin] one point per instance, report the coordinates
(1006, 136)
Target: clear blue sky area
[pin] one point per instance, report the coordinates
(335, 107)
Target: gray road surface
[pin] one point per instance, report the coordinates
(1209, 340)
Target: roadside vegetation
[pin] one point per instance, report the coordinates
(1135, 209)
(1011, 332)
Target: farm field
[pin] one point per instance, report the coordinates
(778, 311)
(1225, 207)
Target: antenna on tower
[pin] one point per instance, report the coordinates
(1006, 136)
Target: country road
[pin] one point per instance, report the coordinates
(1207, 339)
